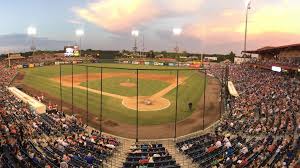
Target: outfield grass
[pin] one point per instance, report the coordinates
(190, 91)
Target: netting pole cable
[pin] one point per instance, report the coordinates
(204, 99)
(137, 105)
(176, 105)
(101, 102)
(221, 98)
(72, 89)
(60, 87)
(87, 94)
(226, 85)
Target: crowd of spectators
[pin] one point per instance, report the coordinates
(36, 59)
(219, 151)
(263, 121)
(281, 62)
(268, 102)
(149, 155)
(28, 139)
(49, 59)
(261, 129)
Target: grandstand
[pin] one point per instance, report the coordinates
(260, 129)
(286, 56)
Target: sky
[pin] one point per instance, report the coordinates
(208, 26)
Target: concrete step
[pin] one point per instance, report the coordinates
(180, 158)
(119, 157)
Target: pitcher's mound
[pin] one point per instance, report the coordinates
(126, 84)
(146, 103)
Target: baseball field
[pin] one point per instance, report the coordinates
(156, 90)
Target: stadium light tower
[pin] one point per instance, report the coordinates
(248, 7)
(135, 34)
(31, 32)
(79, 33)
(177, 32)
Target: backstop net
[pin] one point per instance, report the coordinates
(139, 102)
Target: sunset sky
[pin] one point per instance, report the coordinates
(210, 26)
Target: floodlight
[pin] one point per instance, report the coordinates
(79, 32)
(177, 31)
(135, 33)
(31, 31)
(248, 4)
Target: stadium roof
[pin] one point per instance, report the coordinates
(273, 50)
(15, 56)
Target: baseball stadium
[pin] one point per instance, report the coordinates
(134, 99)
(70, 104)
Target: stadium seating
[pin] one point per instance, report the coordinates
(149, 155)
(261, 129)
(47, 140)
(268, 107)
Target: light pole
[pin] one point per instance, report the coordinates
(143, 49)
(177, 32)
(79, 33)
(31, 32)
(135, 34)
(248, 7)
(8, 59)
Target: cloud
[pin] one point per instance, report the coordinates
(217, 25)
(74, 21)
(180, 6)
(279, 18)
(116, 15)
(123, 15)
(21, 42)
(229, 12)
(269, 25)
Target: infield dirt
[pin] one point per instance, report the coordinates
(158, 102)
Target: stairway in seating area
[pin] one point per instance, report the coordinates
(180, 158)
(119, 157)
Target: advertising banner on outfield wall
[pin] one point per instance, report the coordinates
(172, 64)
(66, 62)
(135, 62)
(194, 65)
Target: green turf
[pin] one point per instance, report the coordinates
(190, 91)
(112, 85)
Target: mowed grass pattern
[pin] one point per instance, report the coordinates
(191, 91)
(113, 85)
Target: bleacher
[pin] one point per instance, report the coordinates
(149, 155)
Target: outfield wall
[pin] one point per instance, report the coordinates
(158, 62)
(191, 64)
